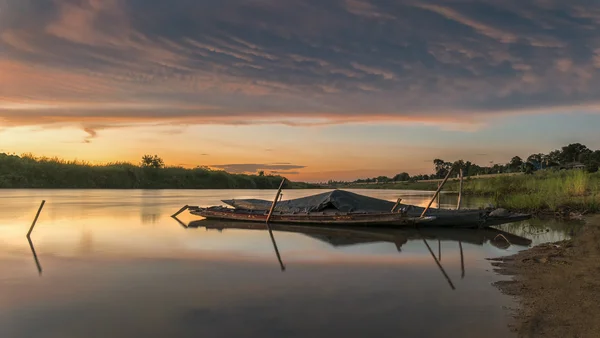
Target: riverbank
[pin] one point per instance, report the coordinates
(557, 286)
(561, 192)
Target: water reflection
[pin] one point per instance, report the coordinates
(349, 236)
(35, 257)
(107, 273)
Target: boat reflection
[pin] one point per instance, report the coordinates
(348, 236)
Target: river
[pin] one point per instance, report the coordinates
(112, 263)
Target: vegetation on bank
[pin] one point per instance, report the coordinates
(575, 155)
(543, 191)
(28, 171)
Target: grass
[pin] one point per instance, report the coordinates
(543, 191)
(30, 172)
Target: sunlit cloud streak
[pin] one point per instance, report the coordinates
(298, 62)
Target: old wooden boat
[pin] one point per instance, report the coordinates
(327, 216)
(346, 201)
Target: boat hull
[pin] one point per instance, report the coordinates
(314, 218)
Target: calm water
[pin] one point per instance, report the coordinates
(114, 264)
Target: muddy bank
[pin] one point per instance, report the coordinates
(557, 286)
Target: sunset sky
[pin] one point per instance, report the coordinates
(311, 89)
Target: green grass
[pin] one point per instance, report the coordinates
(30, 172)
(543, 191)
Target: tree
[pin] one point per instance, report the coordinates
(149, 161)
(528, 168)
(401, 177)
(553, 159)
(441, 168)
(261, 173)
(537, 160)
(515, 163)
(572, 152)
(382, 179)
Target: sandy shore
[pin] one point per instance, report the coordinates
(557, 286)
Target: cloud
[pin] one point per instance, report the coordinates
(91, 135)
(302, 63)
(254, 167)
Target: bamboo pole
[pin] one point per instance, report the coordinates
(185, 207)
(439, 265)
(460, 189)
(437, 192)
(180, 222)
(438, 196)
(36, 218)
(462, 260)
(37, 262)
(275, 201)
(276, 249)
(396, 205)
(269, 226)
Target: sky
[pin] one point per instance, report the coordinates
(310, 89)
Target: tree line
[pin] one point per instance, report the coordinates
(572, 155)
(27, 171)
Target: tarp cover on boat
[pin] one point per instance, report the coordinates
(341, 200)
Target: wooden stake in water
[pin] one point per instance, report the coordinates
(36, 218)
(437, 192)
(460, 189)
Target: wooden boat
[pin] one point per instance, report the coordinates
(326, 217)
(346, 201)
(340, 207)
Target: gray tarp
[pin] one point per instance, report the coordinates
(341, 200)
